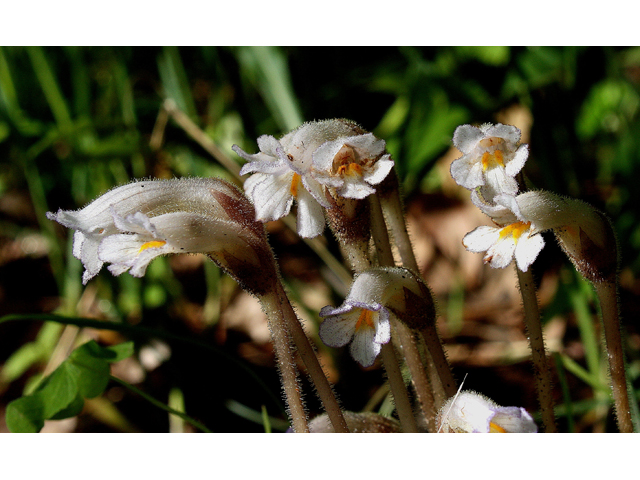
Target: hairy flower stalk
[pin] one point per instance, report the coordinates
(439, 370)
(408, 341)
(134, 223)
(542, 372)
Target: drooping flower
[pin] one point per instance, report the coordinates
(491, 158)
(364, 317)
(352, 165)
(516, 236)
(470, 412)
(300, 166)
(131, 225)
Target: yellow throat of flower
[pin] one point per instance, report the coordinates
(495, 158)
(365, 319)
(295, 184)
(514, 230)
(152, 244)
(494, 428)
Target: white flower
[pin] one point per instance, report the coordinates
(470, 412)
(515, 236)
(363, 318)
(279, 178)
(491, 158)
(352, 165)
(367, 324)
(131, 225)
(299, 166)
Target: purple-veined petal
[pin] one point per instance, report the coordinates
(363, 349)
(338, 330)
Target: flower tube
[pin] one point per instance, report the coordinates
(131, 225)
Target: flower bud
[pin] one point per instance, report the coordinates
(470, 412)
(132, 224)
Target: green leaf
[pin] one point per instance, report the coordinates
(73, 409)
(121, 351)
(24, 415)
(91, 368)
(58, 390)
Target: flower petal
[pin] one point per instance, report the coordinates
(508, 132)
(338, 330)
(517, 162)
(310, 222)
(527, 251)
(514, 420)
(466, 137)
(363, 349)
(481, 239)
(383, 327)
(501, 254)
(270, 194)
(379, 171)
(467, 172)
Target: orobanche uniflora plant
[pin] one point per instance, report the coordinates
(490, 166)
(341, 176)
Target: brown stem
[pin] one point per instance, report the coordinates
(608, 296)
(542, 373)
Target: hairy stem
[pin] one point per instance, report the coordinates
(608, 296)
(398, 389)
(542, 373)
(272, 306)
(408, 341)
(314, 369)
(441, 378)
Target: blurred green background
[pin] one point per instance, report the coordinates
(76, 121)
